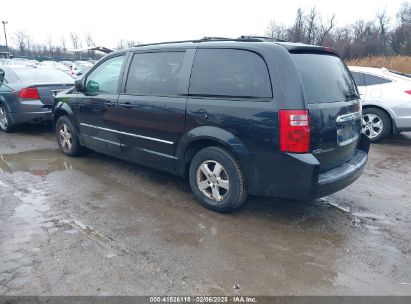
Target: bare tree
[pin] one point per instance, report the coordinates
(124, 43)
(89, 39)
(401, 36)
(29, 42)
(63, 45)
(90, 43)
(311, 25)
(276, 31)
(121, 44)
(326, 29)
(49, 42)
(21, 40)
(359, 30)
(297, 33)
(360, 39)
(383, 23)
(75, 40)
(131, 43)
(363, 38)
(343, 34)
(404, 13)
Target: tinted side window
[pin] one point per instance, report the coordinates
(358, 78)
(229, 72)
(105, 77)
(155, 73)
(372, 80)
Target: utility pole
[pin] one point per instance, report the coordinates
(5, 35)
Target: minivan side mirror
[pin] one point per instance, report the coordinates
(2, 74)
(79, 84)
(92, 87)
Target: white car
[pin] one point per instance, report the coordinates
(56, 65)
(78, 66)
(386, 99)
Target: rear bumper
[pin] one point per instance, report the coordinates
(340, 177)
(298, 176)
(31, 110)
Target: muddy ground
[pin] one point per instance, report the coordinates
(95, 225)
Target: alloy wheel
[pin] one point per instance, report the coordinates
(66, 138)
(372, 125)
(3, 118)
(212, 180)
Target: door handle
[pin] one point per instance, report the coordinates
(126, 105)
(110, 104)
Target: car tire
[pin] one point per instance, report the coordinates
(217, 180)
(5, 121)
(376, 124)
(67, 137)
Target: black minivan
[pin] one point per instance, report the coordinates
(237, 116)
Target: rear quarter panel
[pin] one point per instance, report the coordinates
(66, 103)
(249, 128)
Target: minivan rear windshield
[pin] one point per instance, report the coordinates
(325, 78)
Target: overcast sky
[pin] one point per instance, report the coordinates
(162, 20)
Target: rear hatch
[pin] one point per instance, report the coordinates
(334, 106)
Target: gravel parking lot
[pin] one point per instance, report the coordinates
(95, 225)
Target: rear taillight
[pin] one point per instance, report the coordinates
(29, 93)
(294, 131)
(408, 92)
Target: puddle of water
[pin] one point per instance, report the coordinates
(72, 226)
(33, 203)
(32, 212)
(86, 228)
(358, 216)
(37, 162)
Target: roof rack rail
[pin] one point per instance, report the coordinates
(215, 38)
(260, 38)
(207, 39)
(204, 39)
(166, 42)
